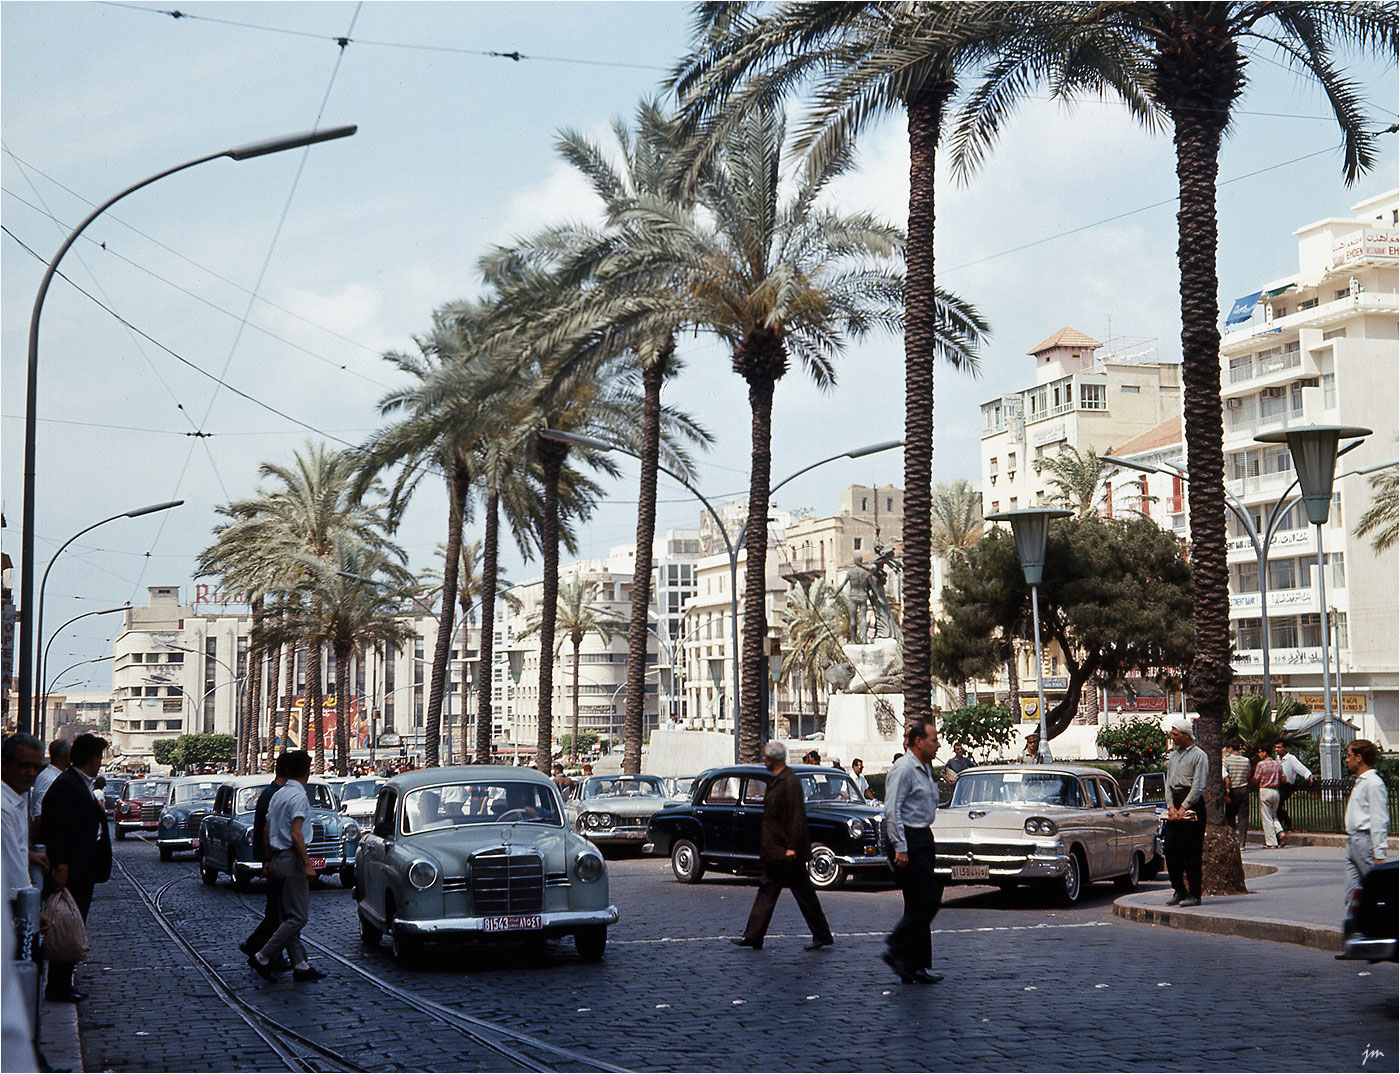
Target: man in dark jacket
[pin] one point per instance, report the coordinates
(784, 848)
(74, 827)
(272, 913)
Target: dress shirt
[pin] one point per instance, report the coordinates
(42, 782)
(1368, 811)
(16, 840)
(911, 799)
(862, 785)
(1294, 770)
(289, 803)
(1188, 769)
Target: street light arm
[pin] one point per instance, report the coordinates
(44, 656)
(854, 453)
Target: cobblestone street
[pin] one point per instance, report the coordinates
(1027, 988)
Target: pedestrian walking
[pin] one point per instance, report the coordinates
(1184, 833)
(292, 870)
(784, 848)
(262, 851)
(1367, 815)
(1237, 789)
(1296, 775)
(58, 764)
(1268, 773)
(911, 800)
(75, 834)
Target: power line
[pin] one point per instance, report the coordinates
(171, 432)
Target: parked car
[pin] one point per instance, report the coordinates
(357, 798)
(680, 788)
(478, 852)
(138, 809)
(112, 794)
(1058, 826)
(226, 834)
(191, 799)
(614, 810)
(720, 827)
(1368, 931)
(1150, 788)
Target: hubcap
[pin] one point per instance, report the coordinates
(823, 867)
(683, 860)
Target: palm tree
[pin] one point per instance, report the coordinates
(818, 622)
(1188, 61)
(1076, 478)
(957, 518)
(864, 60)
(1382, 518)
(1257, 723)
(578, 614)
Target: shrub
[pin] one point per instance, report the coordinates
(1139, 743)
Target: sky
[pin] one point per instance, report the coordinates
(287, 277)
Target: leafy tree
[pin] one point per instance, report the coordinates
(203, 748)
(818, 622)
(1140, 743)
(1116, 596)
(979, 729)
(163, 751)
(957, 518)
(586, 741)
(1382, 518)
(1075, 478)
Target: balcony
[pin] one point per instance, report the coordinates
(1319, 316)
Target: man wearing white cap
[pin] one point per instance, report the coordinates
(1185, 830)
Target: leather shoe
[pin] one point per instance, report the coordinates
(263, 969)
(1191, 900)
(1175, 899)
(739, 941)
(925, 977)
(311, 973)
(894, 963)
(69, 996)
(817, 945)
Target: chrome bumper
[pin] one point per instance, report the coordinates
(185, 842)
(865, 861)
(1042, 863)
(614, 835)
(556, 921)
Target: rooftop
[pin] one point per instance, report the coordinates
(1164, 435)
(1065, 337)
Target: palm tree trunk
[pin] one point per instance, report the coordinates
(551, 455)
(1013, 684)
(925, 108)
(274, 661)
(313, 694)
(289, 695)
(488, 625)
(573, 744)
(252, 687)
(342, 709)
(634, 713)
(458, 487)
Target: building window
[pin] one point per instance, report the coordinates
(1011, 462)
(1132, 389)
(1282, 574)
(1247, 634)
(1241, 368)
(1329, 390)
(996, 506)
(1310, 629)
(857, 544)
(1283, 633)
(1093, 397)
(864, 504)
(1013, 503)
(1339, 569)
(1247, 578)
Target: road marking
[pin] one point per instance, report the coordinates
(861, 935)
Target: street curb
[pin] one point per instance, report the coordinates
(1290, 932)
(59, 1037)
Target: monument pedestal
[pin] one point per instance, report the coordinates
(856, 727)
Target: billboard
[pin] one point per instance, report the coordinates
(293, 730)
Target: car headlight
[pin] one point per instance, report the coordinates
(167, 821)
(856, 827)
(351, 830)
(422, 874)
(1041, 826)
(588, 867)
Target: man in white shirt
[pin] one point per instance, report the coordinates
(291, 870)
(1367, 815)
(58, 764)
(21, 757)
(1295, 775)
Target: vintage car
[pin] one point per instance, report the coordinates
(720, 827)
(614, 810)
(1060, 826)
(112, 792)
(139, 807)
(680, 788)
(1368, 931)
(357, 797)
(478, 852)
(226, 834)
(1150, 788)
(191, 799)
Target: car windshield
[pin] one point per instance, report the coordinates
(623, 787)
(683, 786)
(148, 789)
(360, 788)
(450, 805)
(1015, 788)
(194, 792)
(320, 796)
(247, 799)
(832, 786)
(115, 786)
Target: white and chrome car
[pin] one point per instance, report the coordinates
(615, 810)
(1059, 826)
(357, 797)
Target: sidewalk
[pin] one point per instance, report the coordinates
(1295, 897)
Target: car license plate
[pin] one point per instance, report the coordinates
(514, 923)
(971, 872)
(194, 844)
(318, 863)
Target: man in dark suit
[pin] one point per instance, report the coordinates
(74, 825)
(784, 848)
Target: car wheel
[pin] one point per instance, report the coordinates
(1129, 882)
(590, 942)
(1069, 889)
(685, 861)
(208, 875)
(370, 935)
(166, 854)
(824, 870)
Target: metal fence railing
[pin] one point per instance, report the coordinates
(1321, 807)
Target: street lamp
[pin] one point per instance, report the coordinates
(31, 403)
(1031, 529)
(731, 547)
(44, 657)
(1314, 451)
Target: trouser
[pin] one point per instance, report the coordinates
(911, 940)
(1237, 811)
(60, 974)
(1361, 858)
(272, 914)
(1285, 792)
(294, 902)
(1183, 841)
(1268, 807)
(793, 876)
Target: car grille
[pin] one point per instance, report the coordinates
(505, 883)
(150, 812)
(322, 848)
(995, 855)
(192, 824)
(556, 880)
(318, 831)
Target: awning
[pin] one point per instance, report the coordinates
(1243, 308)
(1279, 290)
